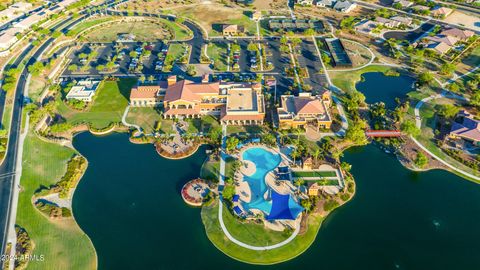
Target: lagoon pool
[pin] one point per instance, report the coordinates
(274, 205)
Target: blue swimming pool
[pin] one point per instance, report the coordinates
(261, 195)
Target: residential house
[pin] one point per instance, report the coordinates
(458, 33)
(441, 12)
(304, 2)
(305, 109)
(402, 3)
(439, 47)
(403, 20)
(449, 40)
(466, 128)
(325, 3)
(344, 6)
(388, 22)
(84, 90)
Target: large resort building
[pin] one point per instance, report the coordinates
(234, 103)
(305, 109)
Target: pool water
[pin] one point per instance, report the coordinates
(265, 161)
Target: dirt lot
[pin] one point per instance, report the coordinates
(212, 16)
(329, 14)
(358, 54)
(154, 6)
(464, 19)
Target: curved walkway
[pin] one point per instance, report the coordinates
(418, 122)
(124, 120)
(221, 183)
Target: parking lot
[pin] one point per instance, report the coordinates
(117, 59)
(308, 58)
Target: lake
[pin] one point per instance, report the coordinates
(377, 87)
(129, 204)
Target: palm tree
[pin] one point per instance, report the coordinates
(295, 154)
(316, 154)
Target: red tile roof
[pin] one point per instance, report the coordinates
(308, 106)
(144, 92)
(190, 91)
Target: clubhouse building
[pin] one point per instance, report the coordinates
(234, 103)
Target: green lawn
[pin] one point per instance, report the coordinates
(314, 174)
(87, 24)
(204, 124)
(284, 253)
(146, 118)
(218, 53)
(108, 105)
(211, 169)
(59, 241)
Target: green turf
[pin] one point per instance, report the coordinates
(108, 105)
(204, 124)
(314, 174)
(61, 242)
(284, 253)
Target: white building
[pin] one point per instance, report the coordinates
(344, 6)
(84, 90)
(325, 3)
(305, 2)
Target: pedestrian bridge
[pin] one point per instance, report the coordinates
(383, 133)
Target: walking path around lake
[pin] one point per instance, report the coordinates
(221, 183)
(418, 120)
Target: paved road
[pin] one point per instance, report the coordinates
(15, 64)
(10, 163)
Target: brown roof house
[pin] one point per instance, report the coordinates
(466, 128)
(298, 111)
(458, 33)
(441, 12)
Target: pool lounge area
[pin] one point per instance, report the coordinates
(257, 191)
